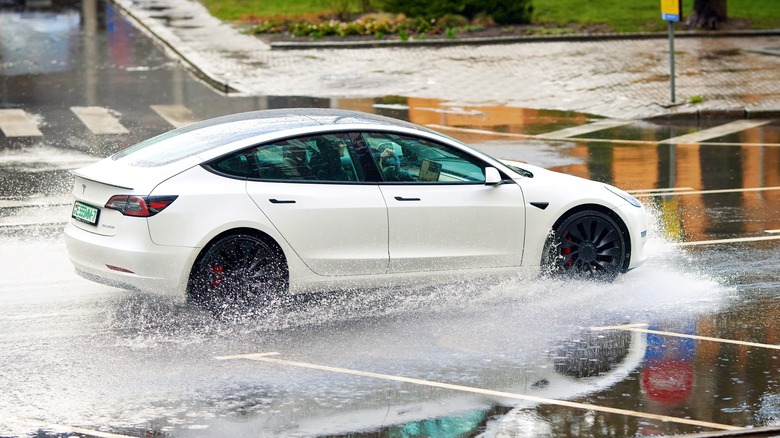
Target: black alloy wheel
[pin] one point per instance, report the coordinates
(238, 272)
(587, 244)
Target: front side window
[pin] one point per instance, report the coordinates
(328, 158)
(409, 159)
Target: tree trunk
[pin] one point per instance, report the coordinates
(707, 14)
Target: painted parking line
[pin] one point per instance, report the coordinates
(478, 131)
(99, 120)
(586, 128)
(15, 123)
(707, 192)
(641, 328)
(660, 191)
(176, 115)
(268, 358)
(772, 231)
(585, 140)
(717, 131)
(87, 432)
(70, 429)
(723, 241)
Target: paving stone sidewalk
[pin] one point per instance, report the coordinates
(736, 76)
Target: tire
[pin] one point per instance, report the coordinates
(239, 271)
(587, 244)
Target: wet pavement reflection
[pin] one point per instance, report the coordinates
(77, 354)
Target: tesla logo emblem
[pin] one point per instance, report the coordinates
(83, 188)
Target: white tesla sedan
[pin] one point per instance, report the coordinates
(245, 207)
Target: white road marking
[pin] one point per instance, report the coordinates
(717, 131)
(89, 432)
(99, 120)
(584, 140)
(772, 231)
(639, 328)
(176, 115)
(70, 429)
(266, 357)
(28, 224)
(661, 191)
(15, 123)
(586, 128)
(722, 241)
(478, 131)
(708, 192)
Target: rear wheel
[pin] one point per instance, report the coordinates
(587, 244)
(238, 271)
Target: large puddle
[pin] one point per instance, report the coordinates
(77, 354)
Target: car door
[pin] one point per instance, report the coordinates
(313, 191)
(441, 214)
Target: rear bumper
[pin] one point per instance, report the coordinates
(142, 264)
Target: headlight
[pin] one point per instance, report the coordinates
(626, 197)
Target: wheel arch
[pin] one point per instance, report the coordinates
(612, 215)
(267, 239)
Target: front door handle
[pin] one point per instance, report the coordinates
(282, 201)
(401, 198)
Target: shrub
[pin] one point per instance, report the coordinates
(502, 11)
(449, 21)
(421, 8)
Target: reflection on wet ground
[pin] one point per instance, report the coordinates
(82, 355)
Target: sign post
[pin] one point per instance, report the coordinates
(671, 11)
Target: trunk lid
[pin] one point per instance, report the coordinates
(95, 184)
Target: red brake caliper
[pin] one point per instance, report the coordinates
(566, 251)
(218, 269)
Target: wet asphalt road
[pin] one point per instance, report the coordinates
(77, 356)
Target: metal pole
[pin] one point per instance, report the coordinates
(671, 57)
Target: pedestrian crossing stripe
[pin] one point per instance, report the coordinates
(16, 123)
(176, 115)
(99, 120)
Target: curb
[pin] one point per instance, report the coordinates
(163, 36)
(311, 44)
(715, 114)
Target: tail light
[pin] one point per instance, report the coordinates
(139, 206)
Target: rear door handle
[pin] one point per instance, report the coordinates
(282, 201)
(401, 198)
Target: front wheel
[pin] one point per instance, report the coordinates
(587, 244)
(238, 271)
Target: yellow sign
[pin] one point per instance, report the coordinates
(671, 10)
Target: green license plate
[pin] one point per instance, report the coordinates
(85, 213)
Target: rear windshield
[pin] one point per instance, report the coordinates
(186, 142)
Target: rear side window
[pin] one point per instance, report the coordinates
(321, 158)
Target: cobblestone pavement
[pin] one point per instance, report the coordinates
(739, 76)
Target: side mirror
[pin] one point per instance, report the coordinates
(492, 177)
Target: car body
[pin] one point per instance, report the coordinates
(303, 200)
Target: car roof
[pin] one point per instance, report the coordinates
(203, 136)
(301, 118)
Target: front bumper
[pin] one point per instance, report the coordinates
(636, 221)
